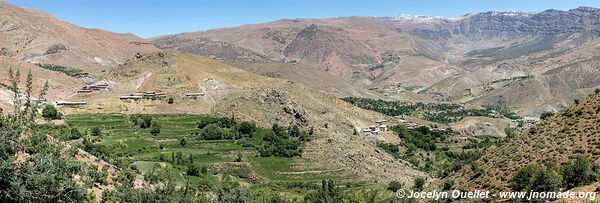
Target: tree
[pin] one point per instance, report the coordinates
(50, 113)
(155, 130)
(45, 175)
(546, 181)
(96, 131)
(182, 142)
(278, 130)
(295, 131)
(246, 128)
(394, 186)
(577, 173)
(145, 121)
(193, 170)
(448, 184)
(170, 100)
(524, 178)
(546, 114)
(75, 134)
(328, 193)
(419, 183)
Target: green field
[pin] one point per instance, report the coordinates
(124, 144)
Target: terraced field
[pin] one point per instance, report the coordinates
(126, 145)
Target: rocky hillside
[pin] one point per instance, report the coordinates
(36, 37)
(363, 50)
(60, 86)
(570, 132)
(481, 58)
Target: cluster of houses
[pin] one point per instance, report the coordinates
(155, 95)
(71, 104)
(143, 95)
(91, 88)
(194, 95)
(382, 126)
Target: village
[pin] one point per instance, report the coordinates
(383, 125)
(150, 95)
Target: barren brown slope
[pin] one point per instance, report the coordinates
(36, 37)
(572, 131)
(363, 50)
(60, 85)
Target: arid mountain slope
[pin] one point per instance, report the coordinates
(36, 37)
(572, 131)
(60, 86)
(356, 49)
(484, 58)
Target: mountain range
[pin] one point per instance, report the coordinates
(485, 58)
(295, 72)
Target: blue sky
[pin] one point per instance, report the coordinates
(148, 18)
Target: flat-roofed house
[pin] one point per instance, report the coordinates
(72, 104)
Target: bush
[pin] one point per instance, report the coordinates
(49, 112)
(394, 186)
(75, 134)
(448, 184)
(96, 131)
(214, 132)
(577, 173)
(546, 114)
(193, 170)
(419, 183)
(546, 181)
(246, 128)
(524, 177)
(155, 130)
(182, 142)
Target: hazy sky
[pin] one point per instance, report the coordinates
(148, 18)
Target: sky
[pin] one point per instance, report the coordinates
(150, 18)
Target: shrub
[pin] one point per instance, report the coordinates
(419, 183)
(394, 186)
(546, 114)
(448, 184)
(193, 170)
(246, 128)
(578, 172)
(546, 181)
(96, 131)
(524, 177)
(75, 134)
(49, 112)
(155, 130)
(182, 142)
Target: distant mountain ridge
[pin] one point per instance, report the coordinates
(403, 55)
(37, 37)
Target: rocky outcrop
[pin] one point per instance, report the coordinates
(549, 22)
